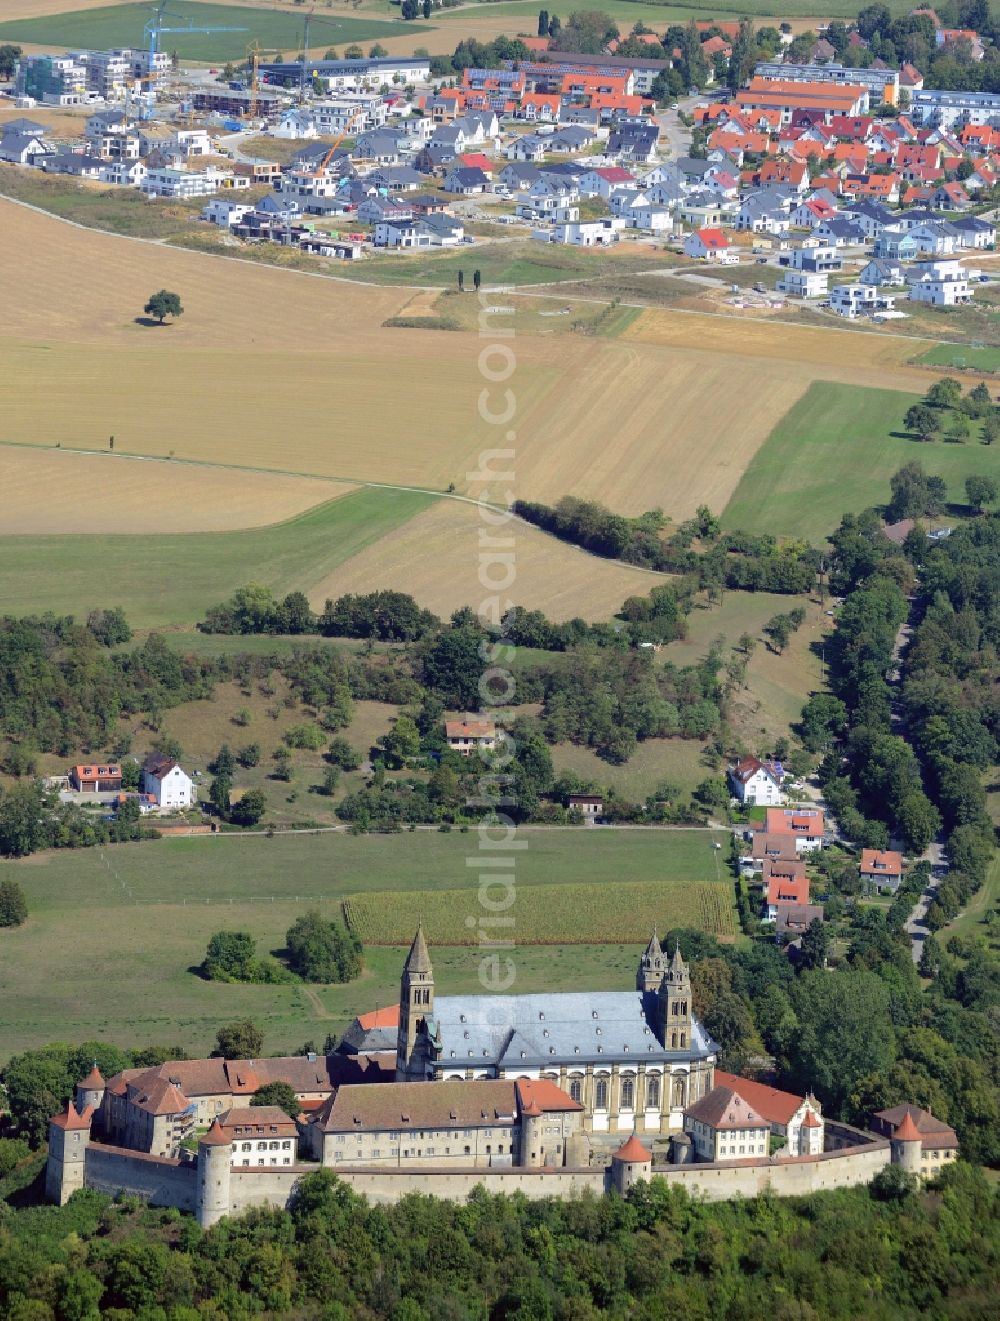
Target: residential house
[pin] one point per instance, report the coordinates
(584, 233)
(896, 245)
(73, 163)
(634, 142)
(803, 824)
(710, 245)
(940, 283)
(840, 232)
(783, 889)
(225, 213)
(951, 197)
(465, 181)
(589, 806)
(804, 284)
(167, 781)
(605, 180)
(724, 1127)
(975, 231)
(24, 148)
(468, 736)
(797, 1119)
(813, 256)
(702, 210)
(258, 1135)
(519, 176)
(870, 217)
(756, 783)
(95, 777)
(760, 213)
(882, 272)
(124, 173)
(854, 300)
(531, 148)
(404, 233)
(764, 846)
(794, 919)
(881, 868)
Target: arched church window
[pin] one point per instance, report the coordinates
(653, 1092)
(628, 1093)
(678, 1092)
(576, 1090)
(601, 1094)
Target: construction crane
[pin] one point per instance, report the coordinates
(331, 151)
(254, 53)
(153, 31)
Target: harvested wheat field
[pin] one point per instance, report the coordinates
(57, 491)
(852, 356)
(279, 370)
(60, 123)
(435, 557)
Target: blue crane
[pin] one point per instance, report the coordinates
(154, 28)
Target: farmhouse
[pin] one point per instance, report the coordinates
(589, 806)
(169, 784)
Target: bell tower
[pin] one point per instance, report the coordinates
(675, 1004)
(416, 1008)
(651, 967)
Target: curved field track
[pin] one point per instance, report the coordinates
(59, 491)
(435, 557)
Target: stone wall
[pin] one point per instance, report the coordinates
(156, 1179)
(173, 1183)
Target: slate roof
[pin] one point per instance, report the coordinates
(532, 1030)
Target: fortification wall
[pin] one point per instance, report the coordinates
(387, 1186)
(155, 1179)
(264, 1187)
(791, 1177)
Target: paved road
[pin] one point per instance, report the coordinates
(675, 137)
(915, 926)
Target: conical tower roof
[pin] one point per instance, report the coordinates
(418, 959)
(907, 1131)
(632, 1152)
(215, 1137)
(677, 964)
(93, 1081)
(653, 950)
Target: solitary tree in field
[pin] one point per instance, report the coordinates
(981, 491)
(13, 909)
(477, 278)
(461, 282)
(163, 304)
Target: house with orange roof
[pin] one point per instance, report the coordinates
(871, 187)
(470, 735)
(881, 868)
(804, 824)
(729, 28)
(538, 107)
(96, 777)
(783, 890)
(716, 45)
(797, 1119)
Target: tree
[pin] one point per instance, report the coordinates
(249, 756)
(342, 755)
(163, 304)
(477, 279)
(815, 944)
(13, 906)
(958, 429)
(377, 52)
(322, 951)
(250, 808)
(231, 957)
(428, 8)
(281, 1094)
(218, 794)
(778, 630)
(543, 22)
(980, 492)
(21, 821)
(946, 393)
(991, 428)
(354, 52)
(9, 56)
(283, 764)
(923, 421)
(461, 282)
(914, 493)
(242, 1040)
(844, 1032)
(330, 781)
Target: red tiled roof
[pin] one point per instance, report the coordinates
(74, 1118)
(633, 1151)
(470, 728)
(93, 1080)
(774, 1105)
(545, 1094)
(713, 238)
(882, 862)
(724, 1107)
(387, 1017)
(907, 1131)
(216, 1136)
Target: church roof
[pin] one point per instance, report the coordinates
(677, 963)
(653, 950)
(516, 1031)
(419, 959)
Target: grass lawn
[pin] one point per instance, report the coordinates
(122, 25)
(971, 921)
(164, 580)
(654, 760)
(834, 451)
(986, 359)
(514, 263)
(112, 934)
(658, 16)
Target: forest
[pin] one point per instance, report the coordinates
(879, 1253)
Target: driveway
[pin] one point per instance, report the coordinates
(915, 926)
